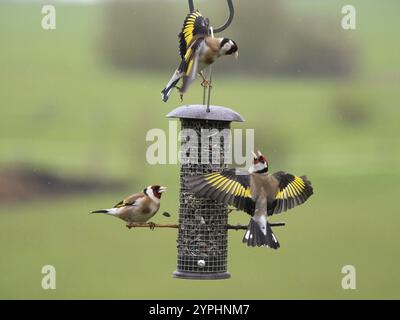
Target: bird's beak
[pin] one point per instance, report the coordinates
(254, 155)
(259, 153)
(236, 55)
(162, 189)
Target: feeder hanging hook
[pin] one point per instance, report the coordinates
(228, 21)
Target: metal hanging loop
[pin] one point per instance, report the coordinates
(228, 21)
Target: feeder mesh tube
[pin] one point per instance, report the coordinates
(202, 237)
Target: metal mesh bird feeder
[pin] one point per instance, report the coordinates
(203, 234)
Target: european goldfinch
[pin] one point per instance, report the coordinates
(256, 192)
(197, 50)
(139, 207)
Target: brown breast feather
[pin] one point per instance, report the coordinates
(146, 205)
(210, 55)
(263, 185)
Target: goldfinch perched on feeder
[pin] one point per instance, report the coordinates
(256, 192)
(197, 50)
(139, 207)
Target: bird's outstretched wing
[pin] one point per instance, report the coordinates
(292, 191)
(227, 187)
(195, 26)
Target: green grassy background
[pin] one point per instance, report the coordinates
(63, 109)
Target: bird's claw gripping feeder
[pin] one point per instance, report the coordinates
(203, 234)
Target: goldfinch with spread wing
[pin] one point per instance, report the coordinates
(197, 50)
(256, 192)
(139, 207)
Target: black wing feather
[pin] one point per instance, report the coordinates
(292, 191)
(228, 187)
(195, 25)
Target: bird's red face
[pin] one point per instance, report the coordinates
(260, 159)
(158, 190)
(260, 163)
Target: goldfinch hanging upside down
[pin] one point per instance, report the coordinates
(256, 192)
(198, 50)
(139, 207)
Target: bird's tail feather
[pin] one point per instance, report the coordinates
(106, 211)
(254, 237)
(100, 211)
(166, 92)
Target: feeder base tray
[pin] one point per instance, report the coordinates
(201, 276)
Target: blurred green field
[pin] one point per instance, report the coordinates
(62, 109)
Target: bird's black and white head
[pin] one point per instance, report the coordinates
(155, 192)
(260, 163)
(228, 47)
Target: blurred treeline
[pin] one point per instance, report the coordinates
(272, 39)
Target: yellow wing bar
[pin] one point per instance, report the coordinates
(226, 187)
(189, 26)
(293, 189)
(194, 26)
(292, 192)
